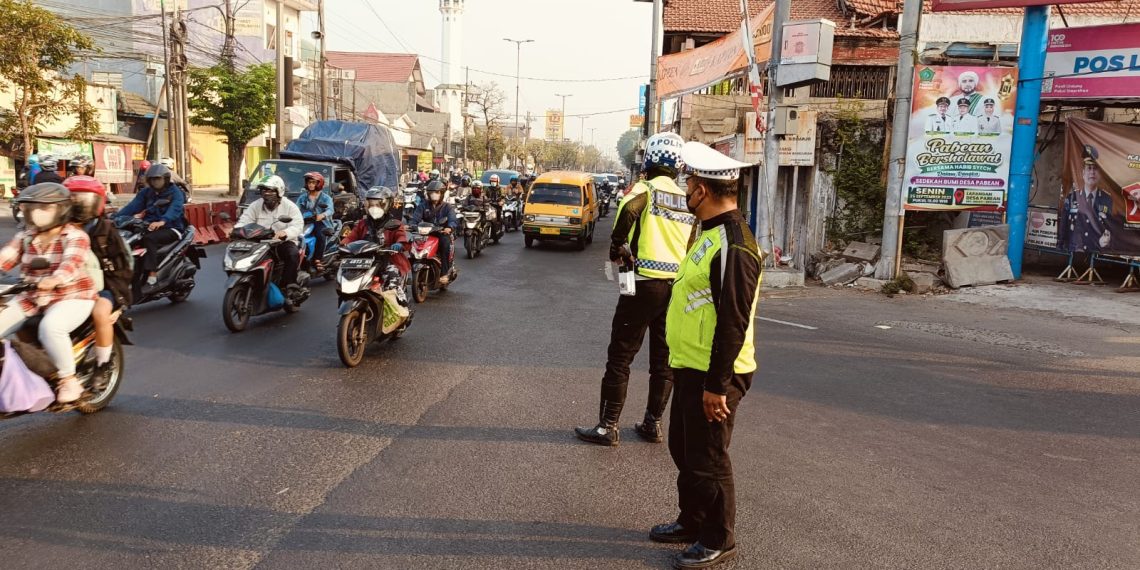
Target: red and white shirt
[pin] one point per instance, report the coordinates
(67, 256)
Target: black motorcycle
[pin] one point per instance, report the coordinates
(178, 263)
(366, 315)
(254, 272)
(604, 199)
(477, 229)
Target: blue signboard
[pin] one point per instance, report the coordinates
(641, 104)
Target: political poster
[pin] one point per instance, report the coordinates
(1099, 209)
(958, 145)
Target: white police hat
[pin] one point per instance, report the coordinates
(701, 160)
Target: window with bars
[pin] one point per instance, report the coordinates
(855, 82)
(109, 78)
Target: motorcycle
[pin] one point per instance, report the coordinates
(512, 214)
(178, 263)
(476, 229)
(330, 257)
(604, 206)
(367, 312)
(426, 265)
(411, 201)
(253, 270)
(98, 392)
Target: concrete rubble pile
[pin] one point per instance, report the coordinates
(855, 266)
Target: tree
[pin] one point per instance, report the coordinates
(627, 147)
(488, 101)
(239, 104)
(561, 155)
(36, 49)
(486, 146)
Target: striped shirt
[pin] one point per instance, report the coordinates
(67, 256)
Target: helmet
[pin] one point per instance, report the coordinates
(378, 201)
(144, 165)
(272, 189)
(435, 186)
(158, 171)
(466, 181)
(663, 150)
(514, 179)
(167, 162)
(34, 159)
(49, 162)
(315, 176)
(46, 205)
(476, 184)
(434, 173)
(88, 196)
(82, 162)
(494, 180)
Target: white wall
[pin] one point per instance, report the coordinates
(995, 28)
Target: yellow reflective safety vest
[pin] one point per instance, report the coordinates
(662, 233)
(690, 321)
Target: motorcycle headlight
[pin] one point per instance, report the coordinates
(351, 281)
(240, 256)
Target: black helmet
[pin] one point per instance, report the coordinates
(514, 179)
(45, 194)
(435, 186)
(379, 197)
(158, 170)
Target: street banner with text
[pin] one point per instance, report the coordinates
(1100, 189)
(958, 146)
(1095, 62)
(688, 71)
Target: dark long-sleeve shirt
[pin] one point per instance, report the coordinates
(734, 278)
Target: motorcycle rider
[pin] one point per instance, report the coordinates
(384, 218)
(82, 166)
(651, 232)
(48, 164)
(165, 222)
(320, 205)
(88, 199)
(515, 190)
(65, 291)
(265, 212)
(435, 211)
(31, 169)
(495, 200)
(434, 175)
(475, 199)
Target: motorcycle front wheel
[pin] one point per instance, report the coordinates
(235, 307)
(351, 340)
(469, 245)
(421, 285)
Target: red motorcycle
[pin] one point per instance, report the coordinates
(427, 268)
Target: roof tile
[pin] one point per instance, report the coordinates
(723, 16)
(377, 67)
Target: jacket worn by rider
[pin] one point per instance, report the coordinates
(114, 258)
(323, 205)
(146, 202)
(709, 323)
(655, 221)
(442, 215)
(393, 230)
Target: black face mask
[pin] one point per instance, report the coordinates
(271, 202)
(690, 205)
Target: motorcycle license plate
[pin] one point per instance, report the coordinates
(356, 263)
(551, 231)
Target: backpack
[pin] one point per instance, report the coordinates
(113, 256)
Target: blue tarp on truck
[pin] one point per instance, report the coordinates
(367, 148)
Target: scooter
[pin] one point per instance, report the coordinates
(178, 262)
(476, 229)
(426, 265)
(411, 201)
(98, 392)
(604, 207)
(253, 271)
(330, 257)
(367, 312)
(512, 214)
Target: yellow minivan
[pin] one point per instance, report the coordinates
(561, 206)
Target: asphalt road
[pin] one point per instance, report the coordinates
(960, 437)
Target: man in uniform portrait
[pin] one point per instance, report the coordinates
(1085, 213)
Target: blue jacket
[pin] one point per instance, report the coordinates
(323, 205)
(442, 215)
(145, 200)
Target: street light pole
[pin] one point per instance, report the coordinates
(563, 114)
(518, 68)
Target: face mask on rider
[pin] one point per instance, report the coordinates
(434, 196)
(41, 217)
(376, 212)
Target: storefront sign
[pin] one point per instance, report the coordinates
(688, 71)
(958, 146)
(424, 161)
(1100, 189)
(1092, 63)
(798, 149)
(635, 121)
(63, 149)
(112, 163)
(954, 5)
(1042, 228)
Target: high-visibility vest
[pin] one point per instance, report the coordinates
(662, 233)
(690, 321)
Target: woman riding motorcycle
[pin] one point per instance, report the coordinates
(314, 201)
(384, 219)
(65, 291)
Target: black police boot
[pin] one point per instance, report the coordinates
(606, 432)
(650, 428)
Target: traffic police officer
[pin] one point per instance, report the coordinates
(651, 232)
(709, 328)
(1086, 209)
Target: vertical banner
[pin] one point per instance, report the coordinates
(554, 126)
(958, 146)
(1100, 189)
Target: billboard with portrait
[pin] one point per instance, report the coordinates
(1100, 189)
(958, 145)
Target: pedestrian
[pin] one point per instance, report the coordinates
(651, 231)
(709, 328)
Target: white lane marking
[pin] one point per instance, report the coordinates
(779, 322)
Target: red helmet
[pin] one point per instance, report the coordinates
(88, 197)
(144, 165)
(320, 178)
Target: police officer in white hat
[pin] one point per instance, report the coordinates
(709, 329)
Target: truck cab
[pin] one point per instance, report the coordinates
(340, 182)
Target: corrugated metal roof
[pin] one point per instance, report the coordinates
(376, 67)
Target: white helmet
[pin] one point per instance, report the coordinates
(663, 150)
(272, 182)
(167, 162)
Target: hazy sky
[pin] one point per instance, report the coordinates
(574, 39)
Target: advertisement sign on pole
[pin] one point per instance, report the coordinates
(1100, 189)
(554, 126)
(958, 147)
(798, 149)
(635, 121)
(641, 100)
(1092, 63)
(112, 164)
(688, 71)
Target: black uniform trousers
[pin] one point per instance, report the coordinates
(634, 315)
(706, 493)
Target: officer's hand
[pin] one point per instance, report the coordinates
(716, 407)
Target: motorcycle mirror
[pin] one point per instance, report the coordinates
(285, 219)
(39, 264)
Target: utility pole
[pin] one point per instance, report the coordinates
(280, 44)
(563, 114)
(771, 146)
(518, 69)
(324, 104)
(582, 132)
(166, 87)
(228, 52)
(178, 74)
(651, 96)
(466, 102)
(887, 268)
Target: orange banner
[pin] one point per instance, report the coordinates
(688, 71)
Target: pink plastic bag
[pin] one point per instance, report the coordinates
(21, 390)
